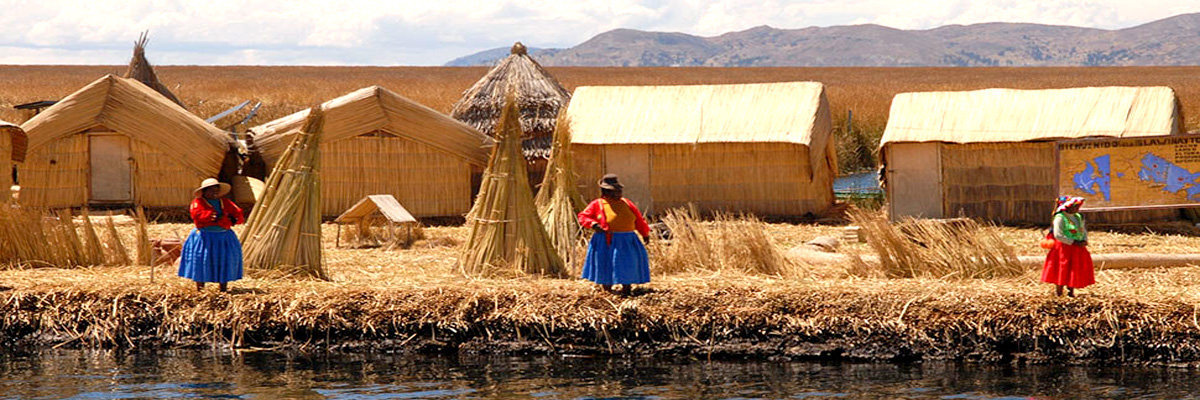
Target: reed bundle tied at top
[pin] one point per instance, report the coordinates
(506, 232)
(284, 231)
(558, 200)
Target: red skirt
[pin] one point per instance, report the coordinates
(1069, 265)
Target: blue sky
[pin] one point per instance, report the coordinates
(432, 32)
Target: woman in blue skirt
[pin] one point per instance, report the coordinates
(615, 255)
(212, 252)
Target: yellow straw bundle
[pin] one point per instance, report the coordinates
(284, 231)
(506, 232)
(558, 201)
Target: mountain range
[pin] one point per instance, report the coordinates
(1170, 41)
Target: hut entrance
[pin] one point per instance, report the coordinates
(110, 168)
(914, 180)
(632, 166)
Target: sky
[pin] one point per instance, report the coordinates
(432, 32)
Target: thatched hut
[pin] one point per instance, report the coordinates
(539, 97)
(378, 142)
(118, 142)
(990, 153)
(141, 71)
(12, 145)
(763, 148)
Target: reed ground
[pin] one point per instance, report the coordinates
(865, 91)
(416, 300)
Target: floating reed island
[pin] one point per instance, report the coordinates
(719, 292)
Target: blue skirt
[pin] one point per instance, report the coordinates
(621, 263)
(211, 256)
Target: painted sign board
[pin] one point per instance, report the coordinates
(1131, 173)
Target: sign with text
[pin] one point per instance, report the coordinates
(1145, 172)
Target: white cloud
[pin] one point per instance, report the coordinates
(389, 32)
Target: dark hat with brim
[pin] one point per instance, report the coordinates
(610, 182)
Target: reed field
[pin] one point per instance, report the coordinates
(865, 91)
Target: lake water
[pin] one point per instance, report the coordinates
(89, 374)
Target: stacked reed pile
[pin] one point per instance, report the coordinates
(284, 231)
(963, 249)
(30, 237)
(558, 200)
(730, 243)
(506, 233)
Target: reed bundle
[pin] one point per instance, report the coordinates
(964, 249)
(729, 243)
(558, 200)
(284, 231)
(37, 238)
(506, 232)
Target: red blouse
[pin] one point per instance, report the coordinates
(594, 215)
(204, 215)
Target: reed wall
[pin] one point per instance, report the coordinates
(159, 180)
(770, 179)
(55, 175)
(427, 182)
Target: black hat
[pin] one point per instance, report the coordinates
(610, 182)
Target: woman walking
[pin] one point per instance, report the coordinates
(212, 252)
(615, 255)
(1069, 263)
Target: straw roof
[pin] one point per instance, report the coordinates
(373, 109)
(131, 108)
(141, 70)
(784, 112)
(538, 95)
(17, 140)
(1010, 115)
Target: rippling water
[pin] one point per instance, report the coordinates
(87, 374)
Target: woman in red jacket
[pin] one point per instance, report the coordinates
(615, 255)
(212, 252)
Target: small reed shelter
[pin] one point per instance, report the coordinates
(990, 153)
(378, 142)
(539, 97)
(12, 144)
(763, 148)
(117, 142)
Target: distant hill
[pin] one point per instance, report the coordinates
(1170, 41)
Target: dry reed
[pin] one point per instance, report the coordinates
(506, 234)
(36, 238)
(284, 231)
(375, 231)
(558, 200)
(956, 249)
(730, 243)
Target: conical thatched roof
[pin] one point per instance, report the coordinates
(538, 95)
(141, 70)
